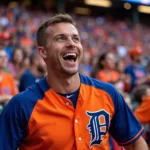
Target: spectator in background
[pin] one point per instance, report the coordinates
(98, 103)
(120, 87)
(16, 65)
(127, 99)
(125, 79)
(136, 70)
(142, 112)
(12, 45)
(148, 66)
(34, 73)
(106, 71)
(85, 66)
(7, 83)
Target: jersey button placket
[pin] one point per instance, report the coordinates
(77, 130)
(76, 120)
(80, 139)
(67, 104)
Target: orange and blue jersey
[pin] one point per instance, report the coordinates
(41, 119)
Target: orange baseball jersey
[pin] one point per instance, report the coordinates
(143, 111)
(7, 85)
(41, 119)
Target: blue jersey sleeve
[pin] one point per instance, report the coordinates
(12, 125)
(125, 128)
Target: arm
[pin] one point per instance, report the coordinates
(125, 128)
(12, 125)
(139, 144)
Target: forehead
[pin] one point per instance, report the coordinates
(110, 56)
(62, 28)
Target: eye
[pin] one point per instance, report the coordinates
(60, 38)
(76, 39)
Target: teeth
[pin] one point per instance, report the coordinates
(70, 54)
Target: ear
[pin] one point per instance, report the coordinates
(42, 52)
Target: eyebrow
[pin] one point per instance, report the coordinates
(62, 34)
(59, 35)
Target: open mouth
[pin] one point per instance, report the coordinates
(70, 57)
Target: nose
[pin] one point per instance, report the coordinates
(70, 43)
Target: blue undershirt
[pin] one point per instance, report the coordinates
(72, 96)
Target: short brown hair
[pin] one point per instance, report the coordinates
(40, 35)
(139, 92)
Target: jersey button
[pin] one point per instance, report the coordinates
(76, 121)
(80, 139)
(67, 103)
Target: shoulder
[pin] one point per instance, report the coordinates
(100, 72)
(105, 86)
(129, 67)
(27, 73)
(115, 72)
(7, 75)
(32, 94)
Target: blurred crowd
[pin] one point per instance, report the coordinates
(115, 51)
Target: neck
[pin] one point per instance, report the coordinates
(17, 65)
(107, 70)
(135, 63)
(63, 84)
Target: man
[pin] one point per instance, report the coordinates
(136, 70)
(7, 83)
(142, 95)
(66, 110)
(34, 73)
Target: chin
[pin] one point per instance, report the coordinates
(70, 71)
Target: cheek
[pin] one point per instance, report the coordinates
(53, 49)
(19, 59)
(52, 57)
(80, 49)
(3, 62)
(108, 63)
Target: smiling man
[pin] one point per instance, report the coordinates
(66, 110)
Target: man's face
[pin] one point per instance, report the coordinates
(110, 61)
(138, 58)
(3, 59)
(146, 95)
(63, 49)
